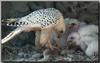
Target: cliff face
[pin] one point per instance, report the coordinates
(80, 10)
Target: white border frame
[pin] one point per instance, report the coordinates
(32, 0)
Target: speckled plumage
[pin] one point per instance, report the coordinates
(42, 17)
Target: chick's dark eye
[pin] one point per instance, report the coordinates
(71, 37)
(73, 24)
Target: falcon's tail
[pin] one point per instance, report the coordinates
(10, 21)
